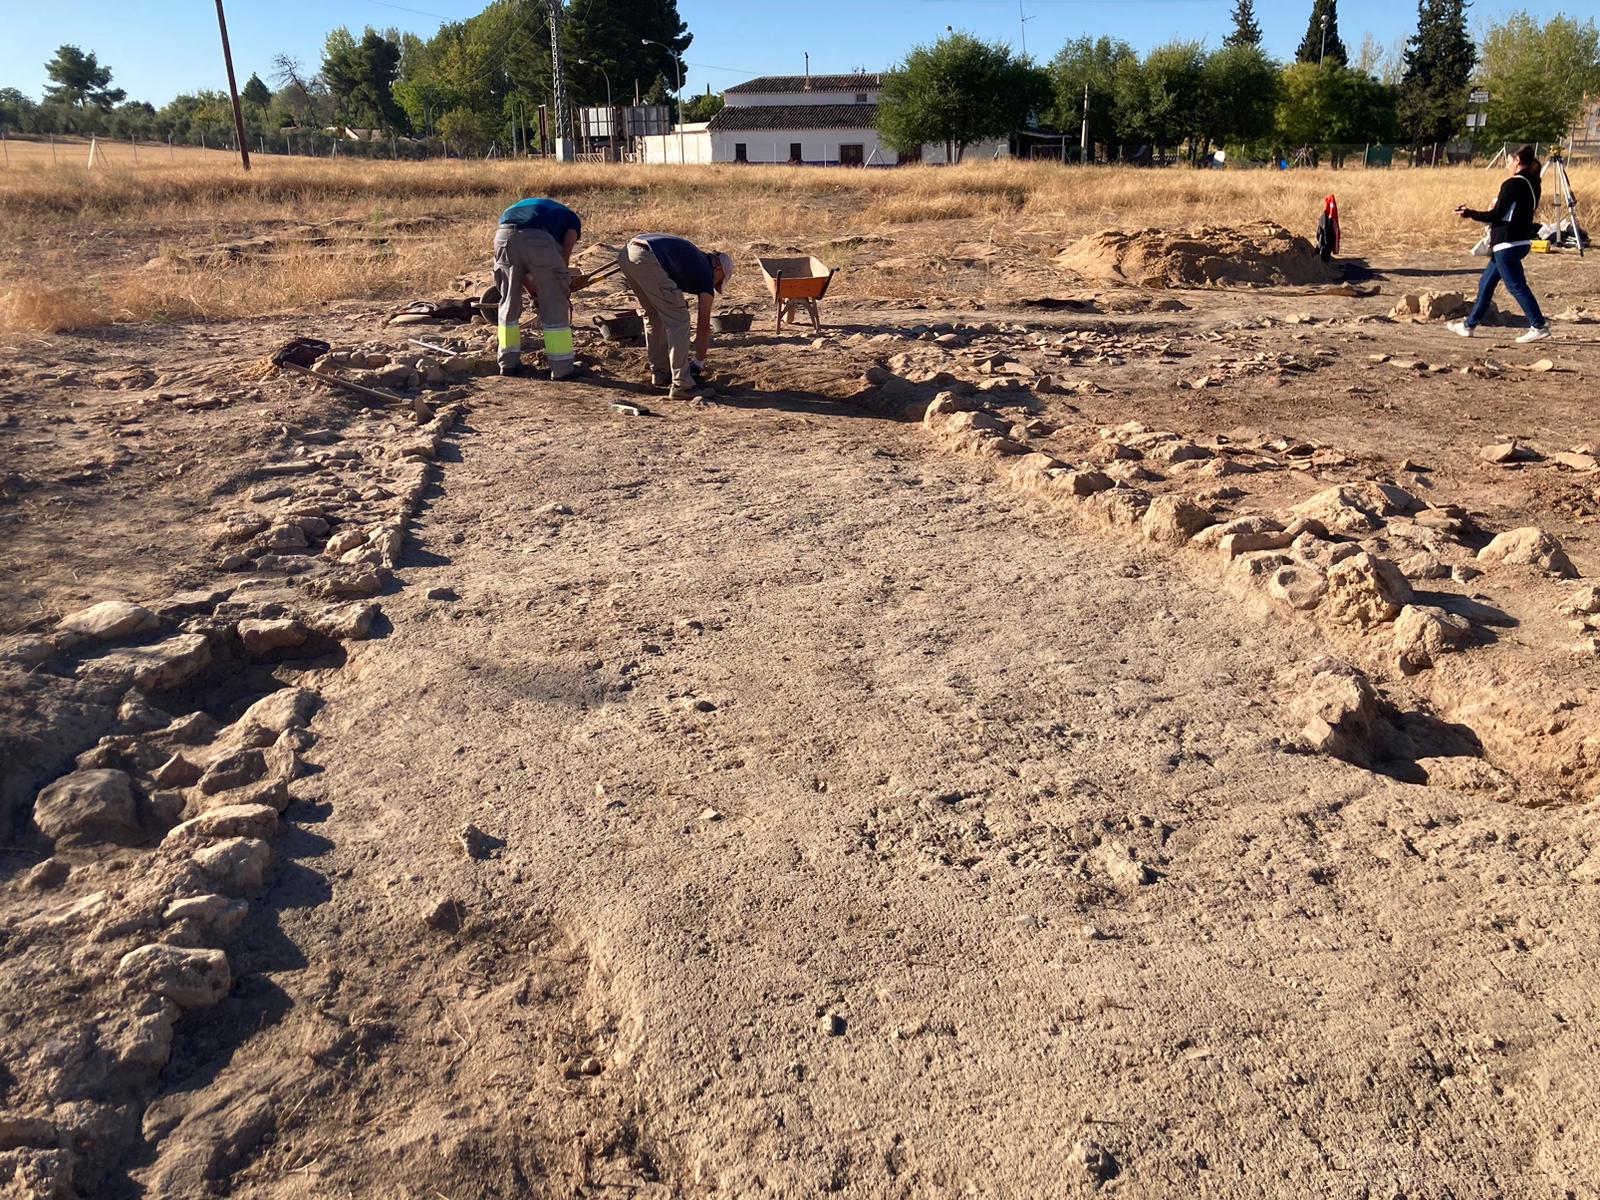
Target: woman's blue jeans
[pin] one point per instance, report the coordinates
(1507, 265)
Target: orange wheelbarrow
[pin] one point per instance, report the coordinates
(796, 285)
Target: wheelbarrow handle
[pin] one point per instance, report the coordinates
(357, 388)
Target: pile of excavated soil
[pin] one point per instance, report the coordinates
(1263, 254)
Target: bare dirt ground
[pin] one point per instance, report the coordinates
(994, 747)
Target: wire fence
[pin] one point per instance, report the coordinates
(62, 150)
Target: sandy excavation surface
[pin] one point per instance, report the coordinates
(1136, 742)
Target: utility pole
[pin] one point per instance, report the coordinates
(233, 89)
(1083, 138)
(611, 113)
(678, 62)
(1023, 21)
(1324, 52)
(558, 67)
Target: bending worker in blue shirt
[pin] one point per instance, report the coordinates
(532, 249)
(661, 270)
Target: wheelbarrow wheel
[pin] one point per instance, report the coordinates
(489, 304)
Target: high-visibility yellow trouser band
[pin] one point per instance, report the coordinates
(511, 337)
(558, 342)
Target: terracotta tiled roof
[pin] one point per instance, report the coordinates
(757, 118)
(818, 83)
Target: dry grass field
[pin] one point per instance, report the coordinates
(1056, 730)
(81, 247)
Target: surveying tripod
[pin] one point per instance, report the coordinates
(1564, 201)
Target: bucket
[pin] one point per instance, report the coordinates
(621, 326)
(732, 320)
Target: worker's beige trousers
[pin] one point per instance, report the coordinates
(531, 256)
(667, 336)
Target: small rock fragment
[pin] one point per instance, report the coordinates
(1174, 520)
(109, 619)
(1342, 713)
(1297, 587)
(1423, 634)
(262, 637)
(228, 821)
(344, 622)
(287, 708)
(1529, 546)
(87, 806)
(189, 978)
(446, 915)
(232, 771)
(1364, 590)
(48, 875)
(176, 772)
(1092, 1161)
(477, 844)
(220, 916)
(236, 865)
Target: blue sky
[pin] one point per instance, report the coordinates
(159, 50)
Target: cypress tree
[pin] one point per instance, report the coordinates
(1438, 72)
(1312, 48)
(1246, 31)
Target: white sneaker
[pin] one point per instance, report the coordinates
(1461, 328)
(1537, 334)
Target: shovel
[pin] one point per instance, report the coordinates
(581, 280)
(298, 354)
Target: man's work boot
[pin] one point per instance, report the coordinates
(512, 370)
(693, 392)
(660, 378)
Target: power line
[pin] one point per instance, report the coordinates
(403, 8)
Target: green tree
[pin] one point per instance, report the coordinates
(361, 77)
(1160, 100)
(958, 91)
(255, 92)
(1386, 64)
(424, 103)
(1322, 42)
(462, 131)
(1536, 75)
(80, 81)
(190, 117)
(302, 98)
(1246, 29)
(703, 108)
(1240, 89)
(1092, 63)
(18, 113)
(611, 34)
(1332, 105)
(1439, 59)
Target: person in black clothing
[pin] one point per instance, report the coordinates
(1512, 227)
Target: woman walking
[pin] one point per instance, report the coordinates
(1512, 226)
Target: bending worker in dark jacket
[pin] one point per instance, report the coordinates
(532, 249)
(1512, 227)
(660, 270)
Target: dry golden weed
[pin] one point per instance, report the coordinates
(47, 309)
(200, 238)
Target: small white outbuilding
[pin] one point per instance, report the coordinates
(816, 120)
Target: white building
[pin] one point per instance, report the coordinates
(685, 144)
(820, 120)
